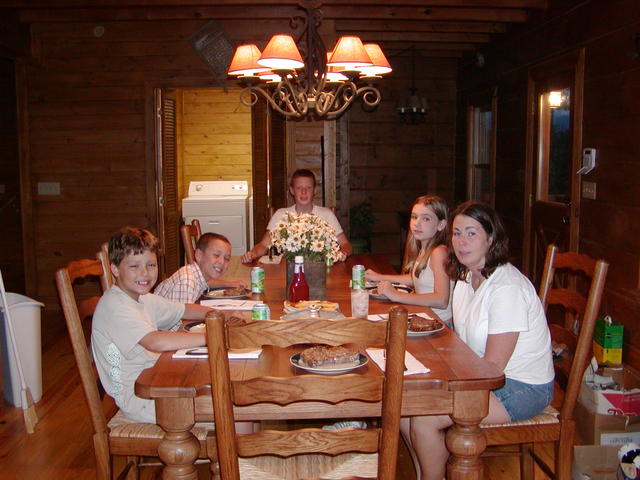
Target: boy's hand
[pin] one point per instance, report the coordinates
(247, 257)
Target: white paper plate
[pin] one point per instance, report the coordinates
(337, 370)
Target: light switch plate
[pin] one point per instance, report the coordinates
(589, 190)
(48, 188)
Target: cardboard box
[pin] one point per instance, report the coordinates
(600, 463)
(597, 429)
(614, 402)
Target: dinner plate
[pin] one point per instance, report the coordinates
(219, 293)
(195, 327)
(373, 291)
(426, 333)
(336, 370)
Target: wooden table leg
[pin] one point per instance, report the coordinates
(465, 440)
(180, 448)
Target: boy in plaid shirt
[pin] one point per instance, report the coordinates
(187, 284)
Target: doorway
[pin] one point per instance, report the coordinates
(554, 148)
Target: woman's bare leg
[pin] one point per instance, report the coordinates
(428, 438)
(405, 430)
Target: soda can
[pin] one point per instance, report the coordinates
(257, 280)
(260, 311)
(357, 277)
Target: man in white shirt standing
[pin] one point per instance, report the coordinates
(303, 189)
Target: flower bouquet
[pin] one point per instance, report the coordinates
(307, 235)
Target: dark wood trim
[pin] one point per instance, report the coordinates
(179, 3)
(151, 148)
(528, 178)
(382, 12)
(26, 190)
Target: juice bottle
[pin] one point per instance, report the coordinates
(298, 289)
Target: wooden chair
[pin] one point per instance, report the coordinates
(190, 235)
(114, 435)
(106, 279)
(553, 425)
(318, 443)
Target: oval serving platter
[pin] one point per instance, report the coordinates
(220, 293)
(337, 370)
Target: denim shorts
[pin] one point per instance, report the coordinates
(524, 400)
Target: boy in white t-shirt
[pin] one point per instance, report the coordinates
(130, 325)
(302, 189)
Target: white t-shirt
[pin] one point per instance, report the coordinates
(119, 323)
(506, 302)
(323, 212)
(425, 283)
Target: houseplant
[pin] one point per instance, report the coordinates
(361, 220)
(313, 238)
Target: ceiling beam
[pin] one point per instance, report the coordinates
(401, 45)
(538, 4)
(417, 26)
(284, 11)
(425, 37)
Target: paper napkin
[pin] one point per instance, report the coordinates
(201, 352)
(226, 304)
(273, 260)
(413, 365)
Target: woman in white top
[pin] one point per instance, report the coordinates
(497, 313)
(426, 256)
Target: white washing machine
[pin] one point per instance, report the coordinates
(224, 207)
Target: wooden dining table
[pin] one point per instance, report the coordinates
(457, 385)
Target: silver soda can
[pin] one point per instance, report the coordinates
(357, 277)
(257, 280)
(260, 311)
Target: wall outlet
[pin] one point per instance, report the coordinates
(48, 188)
(589, 190)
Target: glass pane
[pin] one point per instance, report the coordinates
(560, 150)
(483, 149)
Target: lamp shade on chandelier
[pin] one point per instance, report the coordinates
(317, 82)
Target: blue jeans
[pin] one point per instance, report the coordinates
(524, 400)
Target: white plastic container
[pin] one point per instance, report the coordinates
(25, 316)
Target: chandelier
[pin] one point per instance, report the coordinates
(413, 109)
(317, 82)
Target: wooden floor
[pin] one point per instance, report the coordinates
(61, 446)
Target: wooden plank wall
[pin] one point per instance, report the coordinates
(214, 137)
(392, 163)
(609, 32)
(10, 252)
(90, 124)
(304, 151)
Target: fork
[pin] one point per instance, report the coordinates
(384, 355)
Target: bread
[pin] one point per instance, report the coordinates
(324, 356)
(305, 304)
(421, 324)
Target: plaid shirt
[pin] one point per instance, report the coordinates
(184, 286)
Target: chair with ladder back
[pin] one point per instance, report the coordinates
(553, 425)
(115, 439)
(259, 455)
(190, 235)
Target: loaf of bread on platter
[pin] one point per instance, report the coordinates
(325, 356)
(421, 324)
